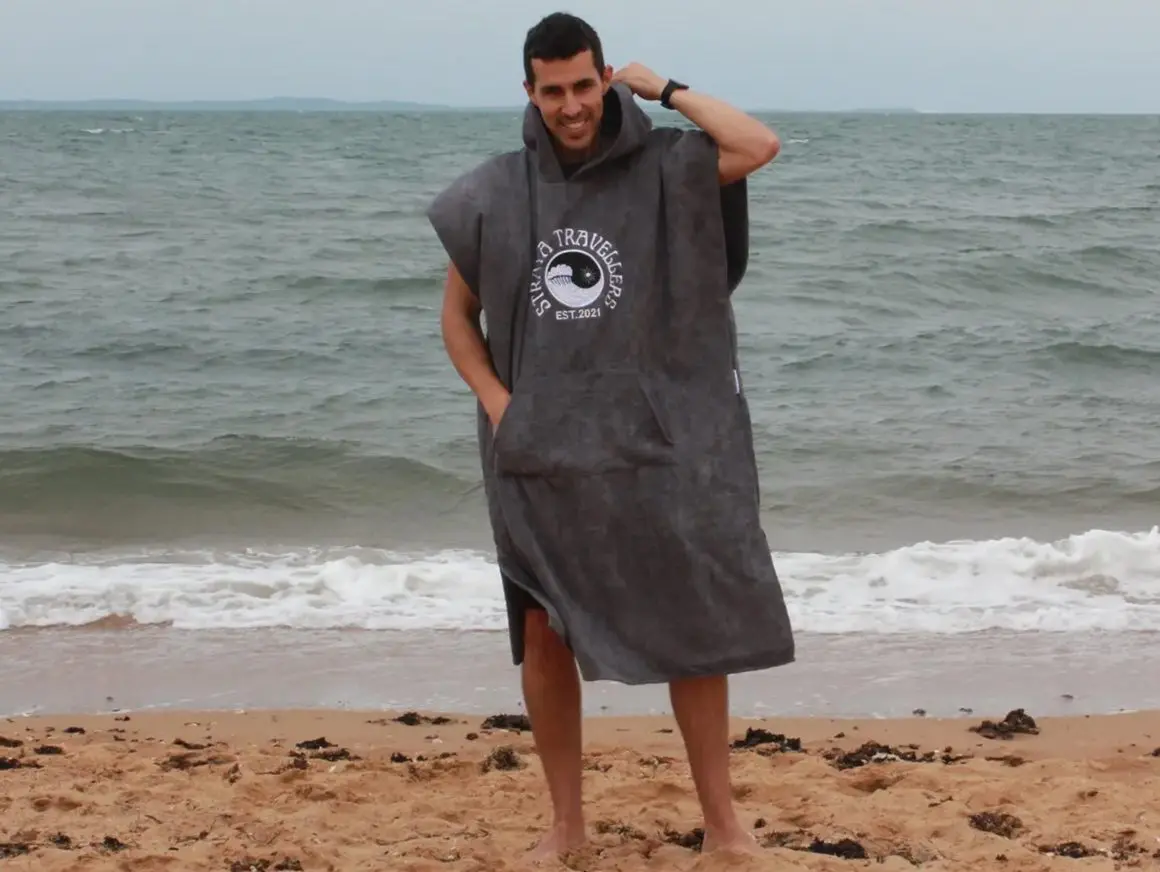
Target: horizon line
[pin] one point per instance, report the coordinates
(318, 103)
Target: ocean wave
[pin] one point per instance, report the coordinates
(228, 473)
(1030, 219)
(355, 286)
(1103, 354)
(1096, 581)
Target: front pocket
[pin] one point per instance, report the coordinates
(581, 425)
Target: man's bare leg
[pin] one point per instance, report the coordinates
(551, 686)
(701, 707)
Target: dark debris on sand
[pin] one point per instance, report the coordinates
(314, 744)
(324, 750)
(334, 755)
(48, 750)
(1126, 850)
(414, 719)
(298, 760)
(845, 849)
(1012, 760)
(504, 759)
(874, 752)
(1017, 721)
(627, 832)
(1071, 850)
(999, 823)
(399, 757)
(187, 760)
(249, 864)
(519, 723)
(5, 742)
(767, 742)
(15, 763)
(693, 840)
(189, 746)
(9, 850)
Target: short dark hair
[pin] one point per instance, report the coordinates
(559, 36)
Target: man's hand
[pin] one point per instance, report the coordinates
(495, 405)
(466, 346)
(745, 143)
(641, 81)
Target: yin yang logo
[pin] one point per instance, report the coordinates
(575, 278)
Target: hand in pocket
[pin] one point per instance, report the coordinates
(495, 410)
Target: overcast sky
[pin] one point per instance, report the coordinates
(937, 55)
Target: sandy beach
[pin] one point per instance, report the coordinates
(343, 790)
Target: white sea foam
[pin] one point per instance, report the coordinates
(1098, 580)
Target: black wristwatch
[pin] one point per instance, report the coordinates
(667, 93)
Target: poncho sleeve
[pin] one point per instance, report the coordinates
(689, 167)
(457, 218)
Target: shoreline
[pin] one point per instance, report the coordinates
(364, 790)
(604, 716)
(415, 728)
(855, 675)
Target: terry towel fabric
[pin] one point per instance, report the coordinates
(621, 482)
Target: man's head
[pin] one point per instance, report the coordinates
(566, 78)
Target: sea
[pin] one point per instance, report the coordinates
(238, 470)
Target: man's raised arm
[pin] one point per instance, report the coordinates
(745, 144)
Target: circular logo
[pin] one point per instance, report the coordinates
(575, 278)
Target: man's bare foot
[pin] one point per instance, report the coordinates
(559, 840)
(733, 841)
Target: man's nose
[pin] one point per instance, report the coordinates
(571, 104)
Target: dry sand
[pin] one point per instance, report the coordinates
(238, 791)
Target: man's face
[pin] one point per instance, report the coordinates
(570, 96)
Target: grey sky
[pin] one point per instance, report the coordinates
(942, 55)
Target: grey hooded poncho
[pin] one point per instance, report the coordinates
(621, 482)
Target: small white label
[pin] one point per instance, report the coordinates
(736, 381)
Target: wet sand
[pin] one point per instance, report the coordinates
(347, 790)
(856, 675)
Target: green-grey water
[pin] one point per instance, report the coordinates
(219, 347)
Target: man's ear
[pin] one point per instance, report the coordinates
(606, 79)
(530, 90)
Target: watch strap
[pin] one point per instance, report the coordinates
(671, 86)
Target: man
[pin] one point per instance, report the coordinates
(614, 434)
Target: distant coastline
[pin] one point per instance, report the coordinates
(310, 104)
(324, 104)
(271, 104)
